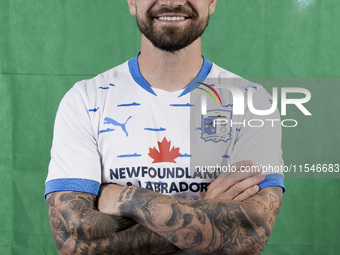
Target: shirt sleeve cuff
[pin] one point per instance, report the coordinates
(79, 185)
(273, 180)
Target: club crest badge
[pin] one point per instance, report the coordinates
(216, 126)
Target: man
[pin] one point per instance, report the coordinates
(123, 127)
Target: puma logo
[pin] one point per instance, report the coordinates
(115, 123)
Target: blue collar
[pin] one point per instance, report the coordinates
(139, 79)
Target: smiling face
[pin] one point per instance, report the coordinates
(172, 25)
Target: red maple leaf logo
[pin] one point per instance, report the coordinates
(164, 154)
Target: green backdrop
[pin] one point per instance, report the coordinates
(46, 46)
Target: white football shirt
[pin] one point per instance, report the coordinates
(115, 128)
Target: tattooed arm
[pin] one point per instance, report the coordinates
(78, 228)
(213, 226)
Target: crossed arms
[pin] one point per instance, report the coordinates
(79, 228)
(134, 220)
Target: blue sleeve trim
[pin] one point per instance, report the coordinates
(80, 185)
(273, 180)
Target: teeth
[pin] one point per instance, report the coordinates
(171, 18)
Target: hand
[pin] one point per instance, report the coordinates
(108, 199)
(236, 185)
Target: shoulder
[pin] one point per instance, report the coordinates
(95, 89)
(223, 77)
(219, 72)
(105, 80)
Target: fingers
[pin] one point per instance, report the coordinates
(234, 170)
(236, 184)
(236, 188)
(247, 193)
(244, 189)
(233, 174)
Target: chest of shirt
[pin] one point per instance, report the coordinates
(158, 143)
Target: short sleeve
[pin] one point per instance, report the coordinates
(75, 161)
(259, 138)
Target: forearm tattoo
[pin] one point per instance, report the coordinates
(206, 226)
(78, 228)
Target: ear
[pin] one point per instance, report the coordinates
(132, 7)
(212, 6)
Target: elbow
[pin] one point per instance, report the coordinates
(242, 251)
(252, 246)
(69, 215)
(64, 237)
(64, 242)
(251, 236)
(248, 245)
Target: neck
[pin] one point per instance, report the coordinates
(170, 71)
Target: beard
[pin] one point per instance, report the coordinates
(172, 38)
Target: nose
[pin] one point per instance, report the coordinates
(172, 3)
